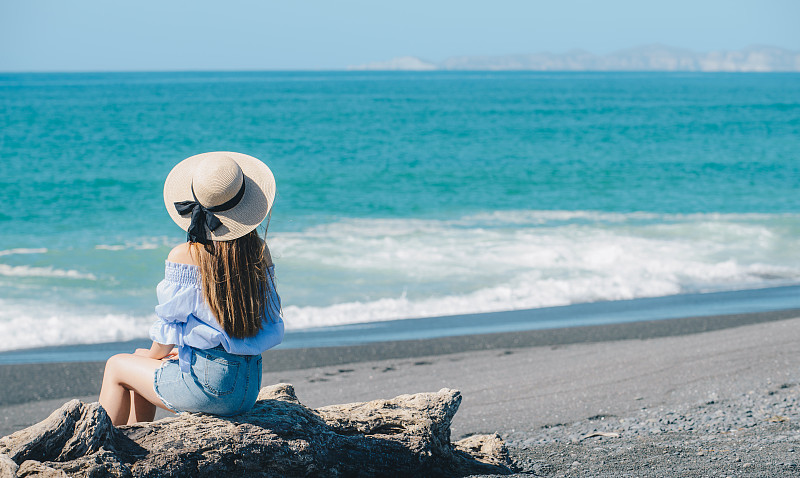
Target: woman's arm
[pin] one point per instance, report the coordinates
(157, 351)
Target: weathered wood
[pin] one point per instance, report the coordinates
(408, 435)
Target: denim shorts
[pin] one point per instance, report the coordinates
(218, 382)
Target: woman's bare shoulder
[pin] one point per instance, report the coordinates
(182, 254)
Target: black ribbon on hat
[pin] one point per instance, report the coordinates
(203, 217)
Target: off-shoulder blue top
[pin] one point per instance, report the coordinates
(185, 320)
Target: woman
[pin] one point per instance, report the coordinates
(218, 307)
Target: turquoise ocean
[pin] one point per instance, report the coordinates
(400, 195)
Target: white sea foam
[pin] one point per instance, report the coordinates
(534, 293)
(33, 271)
(141, 244)
(28, 271)
(364, 270)
(526, 259)
(28, 326)
(107, 247)
(8, 252)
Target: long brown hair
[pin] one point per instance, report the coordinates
(233, 275)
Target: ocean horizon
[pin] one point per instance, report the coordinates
(401, 195)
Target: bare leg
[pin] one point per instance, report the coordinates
(127, 392)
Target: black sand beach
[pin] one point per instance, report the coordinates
(705, 396)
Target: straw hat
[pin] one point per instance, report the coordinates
(219, 196)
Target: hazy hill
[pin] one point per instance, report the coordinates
(644, 58)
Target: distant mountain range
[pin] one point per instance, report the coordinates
(645, 58)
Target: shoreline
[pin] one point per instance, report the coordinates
(30, 384)
(68, 379)
(573, 316)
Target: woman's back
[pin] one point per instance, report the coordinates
(218, 305)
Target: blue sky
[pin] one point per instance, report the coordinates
(110, 35)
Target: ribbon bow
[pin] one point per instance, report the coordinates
(203, 217)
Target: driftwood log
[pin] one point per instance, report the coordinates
(408, 435)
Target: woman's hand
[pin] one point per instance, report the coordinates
(158, 351)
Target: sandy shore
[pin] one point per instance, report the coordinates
(669, 397)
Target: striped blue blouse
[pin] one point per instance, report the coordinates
(185, 320)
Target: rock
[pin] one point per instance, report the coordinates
(7, 466)
(31, 468)
(408, 435)
(486, 448)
